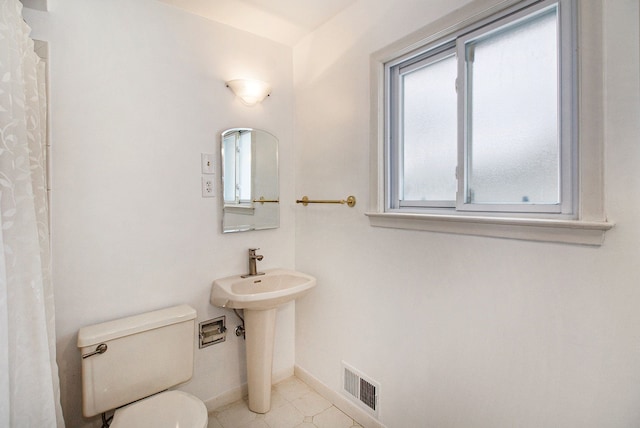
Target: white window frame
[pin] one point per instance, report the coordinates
(586, 222)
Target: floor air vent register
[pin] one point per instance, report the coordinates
(360, 390)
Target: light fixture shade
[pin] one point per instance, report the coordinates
(251, 92)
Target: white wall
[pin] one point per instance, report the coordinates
(137, 93)
(462, 331)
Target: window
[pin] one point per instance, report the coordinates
(494, 144)
(478, 126)
(425, 131)
(512, 97)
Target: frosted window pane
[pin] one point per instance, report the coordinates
(429, 132)
(514, 146)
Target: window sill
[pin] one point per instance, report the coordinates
(563, 231)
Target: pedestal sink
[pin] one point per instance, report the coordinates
(260, 297)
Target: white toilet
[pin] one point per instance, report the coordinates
(136, 358)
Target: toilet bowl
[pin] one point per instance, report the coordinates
(171, 409)
(129, 364)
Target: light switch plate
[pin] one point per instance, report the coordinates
(208, 163)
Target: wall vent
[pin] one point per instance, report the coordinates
(360, 389)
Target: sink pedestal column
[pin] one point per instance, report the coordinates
(259, 334)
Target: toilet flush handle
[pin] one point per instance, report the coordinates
(100, 349)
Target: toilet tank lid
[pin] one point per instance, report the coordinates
(98, 333)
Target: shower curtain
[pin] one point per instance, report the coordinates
(29, 387)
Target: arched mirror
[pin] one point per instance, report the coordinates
(250, 192)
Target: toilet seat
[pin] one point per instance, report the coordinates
(170, 409)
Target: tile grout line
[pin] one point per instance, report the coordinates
(288, 397)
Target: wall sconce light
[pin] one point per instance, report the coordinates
(251, 92)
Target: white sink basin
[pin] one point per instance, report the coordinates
(268, 291)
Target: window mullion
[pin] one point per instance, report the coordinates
(395, 139)
(461, 87)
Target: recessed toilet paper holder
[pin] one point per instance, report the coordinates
(212, 331)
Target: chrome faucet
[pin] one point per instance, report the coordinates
(253, 270)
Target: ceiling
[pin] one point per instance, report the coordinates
(284, 21)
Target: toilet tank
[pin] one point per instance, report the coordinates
(145, 354)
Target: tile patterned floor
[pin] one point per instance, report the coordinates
(293, 405)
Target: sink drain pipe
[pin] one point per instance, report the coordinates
(240, 328)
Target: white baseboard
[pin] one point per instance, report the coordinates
(337, 399)
(239, 392)
(282, 375)
(225, 398)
